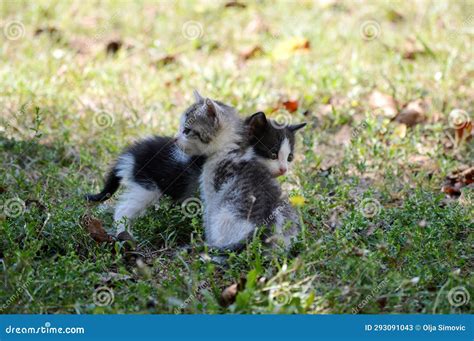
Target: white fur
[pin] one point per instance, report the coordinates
(125, 165)
(225, 229)
(180, 156)
(135, 199)
(248, 155)
(133, 203)
(281, 165)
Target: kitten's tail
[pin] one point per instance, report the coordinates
(112, 183)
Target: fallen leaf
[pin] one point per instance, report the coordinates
(52, 31)
(394, 16)
(95, 229)
(250, 52)
(165, 60)
(400, 131)
(235, 4)
(289, 47)
(229, 294)
(411, 53)
(463, 132)
(412, 113)
(412, 49)
(384, 103)
(463, 175)
(113, 46)
(291, 105)
(451, 191)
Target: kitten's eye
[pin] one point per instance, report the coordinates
(290, 157)
(186, 131)
(274, 156)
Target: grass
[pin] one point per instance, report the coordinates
(379, 235)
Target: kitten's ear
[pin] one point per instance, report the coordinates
(211, 109)
(197, 96)
(296, 127)
(256, 123)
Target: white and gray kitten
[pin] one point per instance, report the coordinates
(155, 166)
(238, 191)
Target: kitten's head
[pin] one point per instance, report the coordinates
(206, 126)
(273, 144)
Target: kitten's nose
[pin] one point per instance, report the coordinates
(283, 170)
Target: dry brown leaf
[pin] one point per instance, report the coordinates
(412, 49)
(250, 52)
(412, 113)
(235, 4)
(412, 53)
(291, 46)
(229, 294)
(451, 191)
(463, 175)
(95, 229)
(165, 60)
(113, 46)
(384, 103)
(463, 132)
(459, 178)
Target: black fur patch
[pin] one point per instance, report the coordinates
(155, 167)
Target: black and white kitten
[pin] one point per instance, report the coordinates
(156, 166)
(238, 191)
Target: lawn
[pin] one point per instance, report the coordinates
(381, 175)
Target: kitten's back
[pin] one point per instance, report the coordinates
(159, 162)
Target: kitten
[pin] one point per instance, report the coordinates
(273, 144)
(156, 166)
(239, 193)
